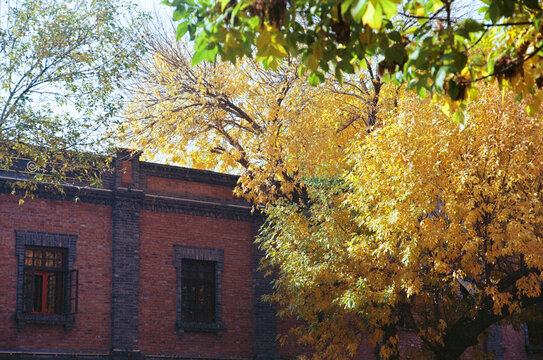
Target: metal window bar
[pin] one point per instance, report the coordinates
(72, 292)
(28, 290)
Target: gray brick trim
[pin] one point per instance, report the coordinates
(199, 253)
(125, 269)
(70, 192)
(494, 341)
(264, 320)
(34, 238)
(33, 355)
(197, 208)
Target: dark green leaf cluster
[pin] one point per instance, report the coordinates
(435, 46)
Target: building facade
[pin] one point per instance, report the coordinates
(159, 263)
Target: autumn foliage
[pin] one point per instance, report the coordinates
(382, 212)
(270, 127)
(433, 227)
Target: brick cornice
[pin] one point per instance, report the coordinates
(188, 174)
(176, 204)
(62, 192)
(197, 207)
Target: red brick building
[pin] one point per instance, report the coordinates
(158, 264)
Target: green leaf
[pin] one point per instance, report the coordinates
(373, 15)
(395, 36)
(508, 8)
(313, 79)
(459, 117)
(453, 90)
(493, 12)
(205, 54)
(532, 4)
(469, 26)
(345, 5)
(390, 7)
(182, 29)
(358, 10)
(441, 75)
(396, 53)
(253, 22)
(177, 15)
(224, 4)
(422, 92)
(531, 109)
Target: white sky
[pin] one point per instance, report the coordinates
(153, 6)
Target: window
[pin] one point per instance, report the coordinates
(534, 336)
(47, 284)
(45, 280)
(198, 292)
(199, 274)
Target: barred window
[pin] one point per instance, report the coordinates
(198, 292)
(199, 284)
(48, 286)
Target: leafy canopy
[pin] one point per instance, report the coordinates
(432, 227)
(269, 126)
(424, 44)
(382, 212)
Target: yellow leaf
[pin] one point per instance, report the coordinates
(373, 15)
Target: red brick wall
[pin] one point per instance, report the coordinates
(288, 347)
(159, 232)
(91, 224)
(126, 175)
(189, 187)
(514, 345)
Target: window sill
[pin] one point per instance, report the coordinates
(183, 327)
(45, 319)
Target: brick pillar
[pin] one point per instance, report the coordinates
(264, 320)
(125, 259)
(494, 343)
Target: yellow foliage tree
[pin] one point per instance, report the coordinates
(271, 127)
(434, 227)
(381, 211)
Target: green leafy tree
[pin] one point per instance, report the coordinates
(421, 43)
(61, 66)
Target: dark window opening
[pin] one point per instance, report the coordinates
(535, 334)
(48, 287)
(198, 291)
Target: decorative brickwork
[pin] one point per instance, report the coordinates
(197, 208)
(187, 174)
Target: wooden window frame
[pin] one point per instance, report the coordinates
(65, 317)
(41, 296)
